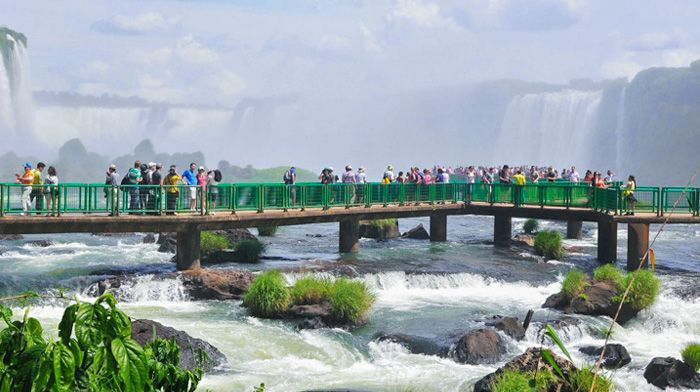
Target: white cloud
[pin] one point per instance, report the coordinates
(135, 24)
(630, 63)
(420, 13)
(95, 70)
(191, 51)
(157, 57)
(659, 41)
(371, 42)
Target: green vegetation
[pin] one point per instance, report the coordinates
(582, 380)
(267, 231)
(94, 352)
(251, 174)
(382, 222)
(643, 291)
(268, 295)
(548, 244)
(350, 300)
(516, 381)
(259, 388)
(574, 283)
(311, 290)
(249, 250)
(608, 272)
(530, 226)
(211, 242)
(691, 355)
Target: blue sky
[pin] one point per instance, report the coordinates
(218, 51)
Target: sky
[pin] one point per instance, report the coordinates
(216, 52)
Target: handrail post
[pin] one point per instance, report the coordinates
(2, 200)
(261, 198)
(233, 192)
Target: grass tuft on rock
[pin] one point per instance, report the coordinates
(268, 295)
(250, 250)
(691, 355)
(644, 290)
(548, 244)
(517, 381)
(574, 283)
(582, 380)
(530, 226)
(211, 242)
(608, 272)
(350, 300)
(311, 290)
(267, 231)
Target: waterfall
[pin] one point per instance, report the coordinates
(620, 131)
(15, 90)
(553, 128)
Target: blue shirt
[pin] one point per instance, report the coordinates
(190, 176)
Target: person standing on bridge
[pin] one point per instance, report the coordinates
(520, 181)
(51, 191)
(389, 174)
(26, 180)
(37, 195)
(504, 175)
(112, 190)
(610, 177)
(628, 193)
(573, 175)
(171, 182)
(134, 178)
(190, 178)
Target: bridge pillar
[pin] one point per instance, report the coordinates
(574, 230)
(502, 230)
(188, 243)
(438, 227)
(607, 241)
(349, 235)
(637, 245)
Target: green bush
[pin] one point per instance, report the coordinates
(268, 295)
(574, 283)
(382, 222)
(267, 231)
(548, 244)
(350, 300)
(608, 272)
(211, 242)
(582, 380)
(517, 381)
(311, 290)
(249, 250)
(530, 226)
(691, 355)
(644, 290)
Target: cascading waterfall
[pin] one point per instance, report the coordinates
(15, 89)
(549, 128)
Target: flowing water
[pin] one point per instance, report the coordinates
(435, 291)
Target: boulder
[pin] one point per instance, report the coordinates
(670, 372)
(143, 330)
(524, 240)
(417, 233)
(167, 242)
(235, 235)
(415, 344)
(616, 355)
(227, 256)
(529, 361)
(11, 237)
(595, 300)
(479, 346)
(509, 326)
(316, 316)
(206, 284)
(40, 243)
(149, 238)
(380, 232)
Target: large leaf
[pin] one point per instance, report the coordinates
(555, 338)
(89, 325)
(63, 367)
(65, 327)
(547, 356)
(33, 331)
(132, 364)
(119, 324)
(42, 376)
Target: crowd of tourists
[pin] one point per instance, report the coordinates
(142, 179)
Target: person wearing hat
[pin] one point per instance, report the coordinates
(112, 189)
(389, 174)
(26, 180)
(348, 176)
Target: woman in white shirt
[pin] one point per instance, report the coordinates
(51, 191)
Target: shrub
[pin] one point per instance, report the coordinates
(350, 300)
(517, 381)
(644, 290)
(582, 380)
(211, 242)
(530, 226)
(268, 295)
(691, 355)
(382, 222)
(548, 244)
(574, 283)
(267, 231)
(608, 272)
(250, 250)
(311, 290)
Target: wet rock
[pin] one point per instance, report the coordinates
(205, 284)
(379, 231)
(417, 233)
(228, 256)
(311, 323)
(415, 344)
(595, 300)
(529, 361)
(670, 372)
(524, 240)
(509, 326)
(11, 237)
(41, 243)
(479, 346)
(235, 235)
(315, 235)
(143, 330)
(149, 238)
(616, 355)
(316, 316)
(167, 242)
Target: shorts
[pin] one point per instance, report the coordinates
(193, 192)
(212, 196)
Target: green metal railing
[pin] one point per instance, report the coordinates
(77, 198)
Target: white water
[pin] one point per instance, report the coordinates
(15, 92)
(552, 128)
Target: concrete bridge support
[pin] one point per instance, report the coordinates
(607, 241)
(637, 245)
(188, 243)
(502, 230)
(349, 237)
(574, 230)
(438, 227)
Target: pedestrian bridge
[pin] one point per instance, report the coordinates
(86, 208)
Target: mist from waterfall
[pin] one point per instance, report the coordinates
(551, 128)
(16, 108)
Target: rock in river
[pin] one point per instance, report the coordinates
(616, 355)
(479, 346)
(670, 372)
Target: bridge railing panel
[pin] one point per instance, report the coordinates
(502, 193)
(647, 200)
(480, 192)
(23, 199)
(684, 200)
(247, 197)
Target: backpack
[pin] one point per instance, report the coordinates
(287, 177)
(218, 176)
